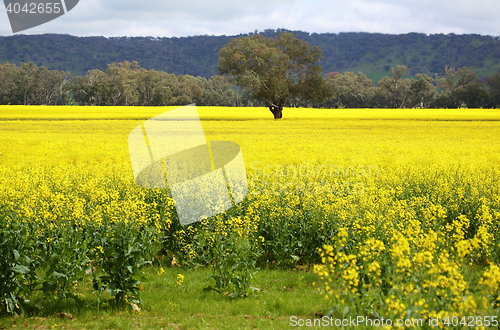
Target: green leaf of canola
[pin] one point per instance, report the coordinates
(20, 269)
(16, 255)
(346, 311)
(58, 275)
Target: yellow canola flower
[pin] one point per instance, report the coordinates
(491, 278)
(180, 279)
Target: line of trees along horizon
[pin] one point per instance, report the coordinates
(126, 83)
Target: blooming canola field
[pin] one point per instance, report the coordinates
(396, 211)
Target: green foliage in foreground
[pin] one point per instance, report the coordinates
(168, 305)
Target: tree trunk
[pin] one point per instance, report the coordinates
(403, 102)
(277, 111)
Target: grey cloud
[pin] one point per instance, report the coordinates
(196, 17)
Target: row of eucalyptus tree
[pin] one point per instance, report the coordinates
(127, 84)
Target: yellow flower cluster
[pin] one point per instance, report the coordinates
(180, 279)
(82, 195)
(414, 254)
(491, 278)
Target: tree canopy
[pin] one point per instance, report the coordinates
(275, 70)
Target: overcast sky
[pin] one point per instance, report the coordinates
(230, 17)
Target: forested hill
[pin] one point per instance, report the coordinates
(370, 53)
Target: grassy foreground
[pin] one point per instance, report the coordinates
(169, 305)
(420, 240)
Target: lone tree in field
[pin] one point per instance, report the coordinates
(275, 69)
